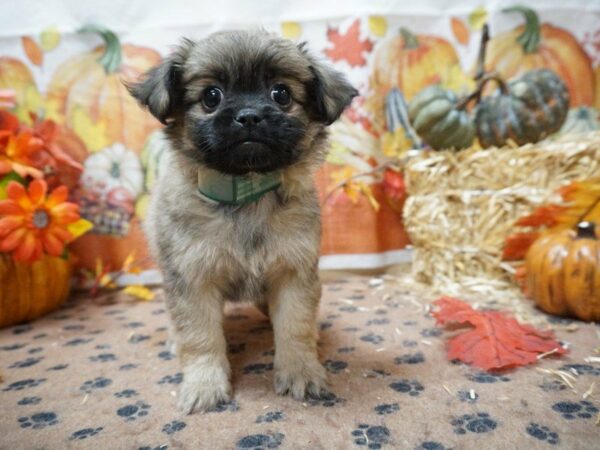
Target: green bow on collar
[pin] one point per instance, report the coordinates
(236, 189)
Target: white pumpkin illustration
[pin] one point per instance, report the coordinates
(112, 168)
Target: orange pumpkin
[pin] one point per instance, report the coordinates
(532, 46)
(597, 96)
(87, 94)
(408, 62)
(15, 75)
(28, 291)
(563, 272)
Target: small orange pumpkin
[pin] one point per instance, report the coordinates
(87, 94)
(15, 75)
(563, 272)
(28, 291)
(535, 46)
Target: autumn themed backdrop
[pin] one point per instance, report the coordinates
(69, 68)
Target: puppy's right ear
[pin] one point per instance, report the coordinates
(160, 89)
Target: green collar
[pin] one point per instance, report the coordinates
(227, 189)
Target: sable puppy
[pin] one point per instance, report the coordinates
(239, 103)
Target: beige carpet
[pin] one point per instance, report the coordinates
(97, 375)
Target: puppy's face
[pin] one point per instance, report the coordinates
(244, 101)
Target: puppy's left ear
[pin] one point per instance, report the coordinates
(329, 92)
(160, 90)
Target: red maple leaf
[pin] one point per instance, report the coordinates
(348, 46)
(496, 341)
(517, 245)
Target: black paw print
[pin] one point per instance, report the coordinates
(171, 379)
(29, 401)
(127, 393)
(13, 347)
(346, 349)
(410, 387)
(23, 384)
(103, 357)
(59, 367)
(128, 366)
(260, 441)
(133, 325)
(409, 323)
(133, 412)
(22, 329)
(96, 383)
(552, 385)
(387, 408)
(85, 433)
(236, 348)
(74, 327)
(372, 338)
(77, 341)
(572, 410)
(258, 368)
(484, 377)
(465, 396)
(26, 363)
(431, 445)
(348, 308)
(326, 399)
(475, 423)
(137, 338)
(35, 350)
(431, 332)
(40, 336)
(415, 358)
(382, 321)
(373, 436)
(38, 420)
(582, 369)
(173, 427)
(542, 433)
(271, 416)
(325, 325)
(166, 355)
(231, 405)
(102, 346)
(409, 343)
(335, 366)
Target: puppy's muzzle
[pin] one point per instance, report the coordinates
(248, 118)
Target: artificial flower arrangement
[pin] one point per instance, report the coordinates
(37, 220)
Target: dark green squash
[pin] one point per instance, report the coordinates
(528, 109)
(440, 120)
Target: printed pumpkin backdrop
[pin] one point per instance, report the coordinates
(77, 79)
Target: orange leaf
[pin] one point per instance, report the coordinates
(32, 50)
(517, 245)
(544, 215)
(495, 341)
(460, 30)
(348, 47)
(394, 189)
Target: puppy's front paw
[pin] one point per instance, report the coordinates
(300, 378)
(203, 391)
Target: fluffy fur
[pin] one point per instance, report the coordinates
(264, 252)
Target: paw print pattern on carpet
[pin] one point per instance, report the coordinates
(542, 433)
(327, 399)
(467, 396)
(103, 357)
(96, 383)
(582, 369)
(372, 338)
(126, 393)
(172, 379)
(39, 420)
(575, 410)
(133, 412)
(387, 408)
(173, 427)
(483, 377)
(475, 423)
(415, 358)
(225, 406)
(431, 445)
(271, 416)
(335, 366)
(26, 363)
(410, 387)
(371, 436)
(257, 368)
(260, 441)
(24, 384)
(29, 401)
(85, 433)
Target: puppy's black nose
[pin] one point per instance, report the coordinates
(248, 117)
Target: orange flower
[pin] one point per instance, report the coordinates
(32, 223)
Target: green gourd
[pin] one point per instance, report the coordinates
(440, 119)
(528, 109)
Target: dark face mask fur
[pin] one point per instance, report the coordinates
(233, 103)
(244, 101)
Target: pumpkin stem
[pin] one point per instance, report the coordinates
(586, 230)
(481, 82)
(530, 38)
(112, 56)
(485, 37)
(410, 40)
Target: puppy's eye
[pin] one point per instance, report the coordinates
(211, 97)
(281, 95)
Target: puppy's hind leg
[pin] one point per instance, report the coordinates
(293, 305)
(201, 347)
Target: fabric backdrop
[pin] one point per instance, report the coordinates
(75, 78)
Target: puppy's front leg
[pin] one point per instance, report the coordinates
(293, 304)
(201, 347)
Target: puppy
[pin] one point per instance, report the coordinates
(236, 215)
